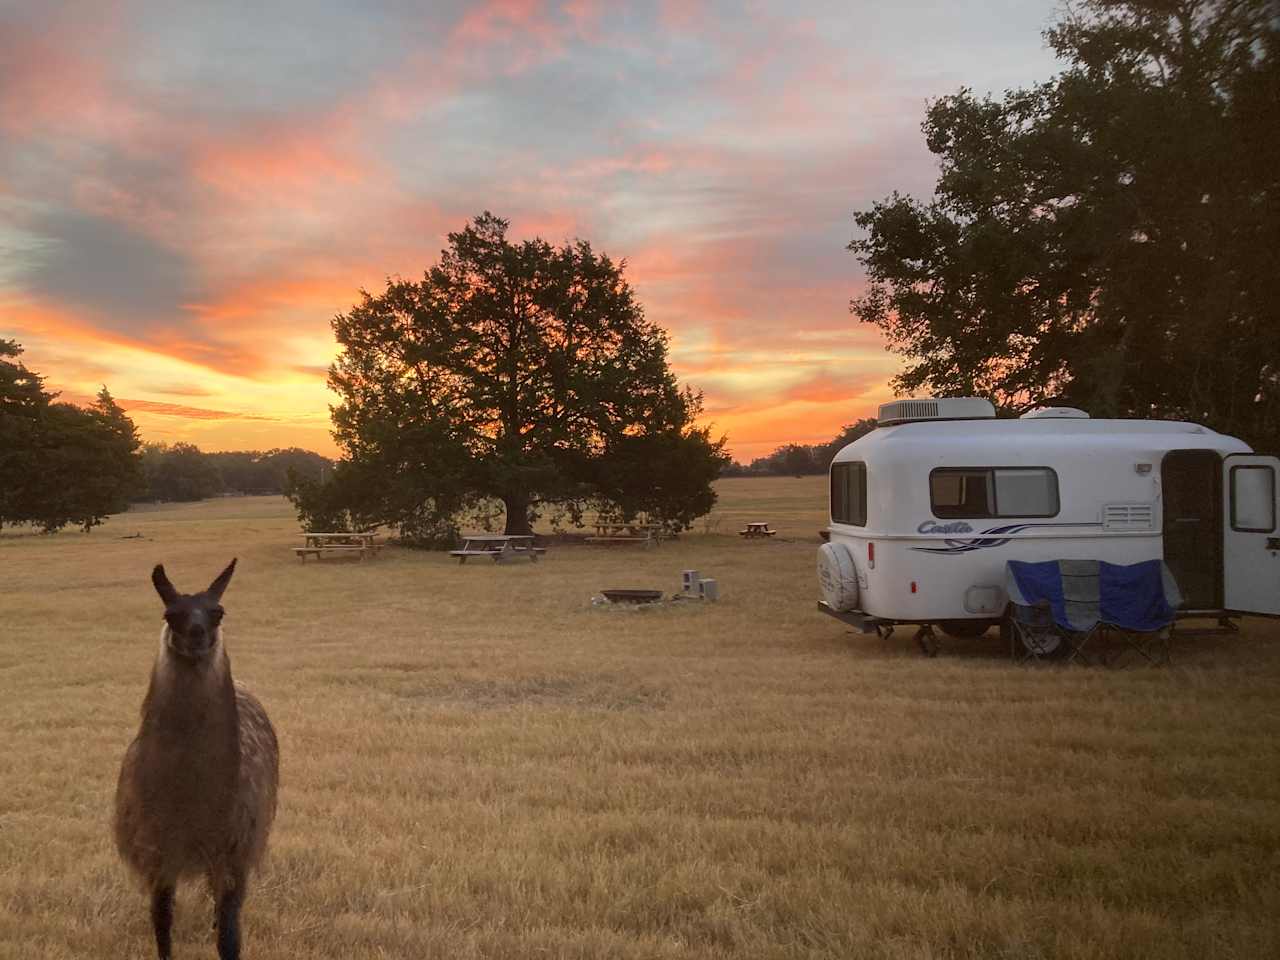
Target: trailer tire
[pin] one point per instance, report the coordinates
(838, 576)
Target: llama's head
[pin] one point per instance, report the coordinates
(192, 619)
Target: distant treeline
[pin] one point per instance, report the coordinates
(182, 471)
(798, 459)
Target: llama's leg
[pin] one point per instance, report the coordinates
(162, 919)
(230, 900)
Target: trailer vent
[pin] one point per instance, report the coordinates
(1127, 516)
(949, 408)
(1055, 413)
(909, 410)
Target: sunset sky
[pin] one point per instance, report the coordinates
(189, 192)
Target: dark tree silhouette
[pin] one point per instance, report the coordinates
(93, 466)
(24, 405)
(60, 463)
(520, 371)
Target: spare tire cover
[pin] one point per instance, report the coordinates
(837, 576)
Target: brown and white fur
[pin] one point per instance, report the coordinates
(197, 789)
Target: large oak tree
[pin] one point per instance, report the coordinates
(520, 371)
(1110, 238)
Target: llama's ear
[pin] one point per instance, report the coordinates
(163, 587)
(216, 588)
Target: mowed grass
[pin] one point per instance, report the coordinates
(478, 763)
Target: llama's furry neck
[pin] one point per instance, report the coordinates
(186, 693)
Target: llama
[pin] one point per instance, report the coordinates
(197, 789)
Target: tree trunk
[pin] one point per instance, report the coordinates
(517, 504)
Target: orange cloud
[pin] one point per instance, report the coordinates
(189, 413)
(56, 323)
(164, 409)
(325, 288)
(276, 157)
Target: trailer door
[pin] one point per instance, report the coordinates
(1251, 540)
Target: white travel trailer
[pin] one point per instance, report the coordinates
(926, 509)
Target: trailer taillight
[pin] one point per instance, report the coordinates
(871, 554)
(913, 586)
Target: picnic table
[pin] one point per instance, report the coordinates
(358, 543)
(611, 531)
(499, 547)
(757, 528)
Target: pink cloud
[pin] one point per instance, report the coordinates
(682, 16)
(284, 215)
(53, 78)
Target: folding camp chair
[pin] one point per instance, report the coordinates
(1055, 608)
(1138, 603)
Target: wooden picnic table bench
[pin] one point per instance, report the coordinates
(611, 531)
(317, 544)
(499, 547)
(757, 528)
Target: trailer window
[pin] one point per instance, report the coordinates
(1026, 493)
(849, 493)
(1253, 499)
(961, 493)
(975, 492)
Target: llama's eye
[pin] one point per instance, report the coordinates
(215, 616)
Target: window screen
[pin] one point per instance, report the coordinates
(849, 493)
(993, 492)
(1253, 499)
(1026, 493)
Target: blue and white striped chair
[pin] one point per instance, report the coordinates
(1058, 608)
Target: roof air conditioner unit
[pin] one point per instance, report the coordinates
(948, 408)
(1055, 413)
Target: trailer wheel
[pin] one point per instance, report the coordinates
(837, 576)
(964, 629)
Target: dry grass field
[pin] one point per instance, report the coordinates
(478, 763)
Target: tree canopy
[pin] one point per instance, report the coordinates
(1110, 238)
(519, 371)
(60, 463)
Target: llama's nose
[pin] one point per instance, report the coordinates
(196, 634)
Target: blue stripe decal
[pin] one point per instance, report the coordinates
(992, 537)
